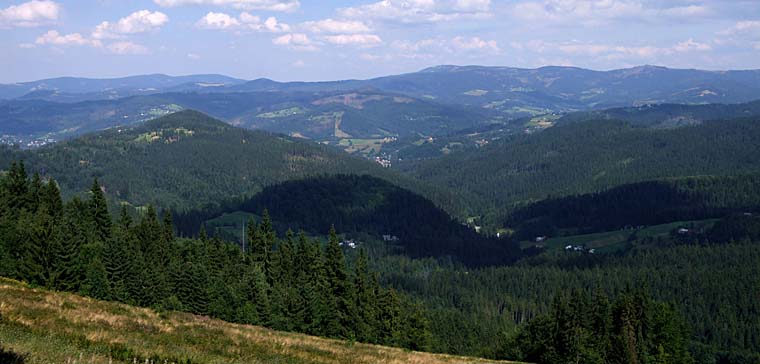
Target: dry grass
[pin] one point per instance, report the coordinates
(54, 327)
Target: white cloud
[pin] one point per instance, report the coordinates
(474, 43)
(298, 64)
(336, 26)
(596, 12)
(296, 41)
(354, 39)
(138, 22)
(691, 45)
(222, 21)
(269, 5)
(419, 11)
(54, 38)
(457, 44)
(744, 27)
(193, 56)
(214, 20)
(30, 14)
(127, 48)
(610, 52)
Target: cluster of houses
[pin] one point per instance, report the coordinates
(13, 140)
(349, 243)
(579, 248)
(389, 237)
(384, 161)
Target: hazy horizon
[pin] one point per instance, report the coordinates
(291, 40)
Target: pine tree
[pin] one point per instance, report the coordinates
(168, 227)
(116, 257)
(17, 187)
(314, 289)
(40, 237)
(76, 233)
(99, 212)
(34, 194)
(51, 198)
(366, 299)
(342, 325)
(192, 290)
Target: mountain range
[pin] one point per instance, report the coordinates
(496, 91)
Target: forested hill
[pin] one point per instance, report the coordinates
(188, 160)
(366, 206)
(595, 155)
(643, 203)
(668, 115)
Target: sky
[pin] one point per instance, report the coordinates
(314, 40)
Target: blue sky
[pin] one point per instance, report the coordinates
(322, 40)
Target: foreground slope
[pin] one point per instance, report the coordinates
(51, 327)
(188, 160)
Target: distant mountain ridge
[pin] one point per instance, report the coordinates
(514, 91)
(79, 89)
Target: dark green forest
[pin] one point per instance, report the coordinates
(593, 156)
(637, 204)
(365, 205)
(291, 283)
(188, 160)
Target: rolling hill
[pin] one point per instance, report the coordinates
(362, 206)
(189, 160)
(592, 156)
(639, 204)
(358, 121)
(667, 115)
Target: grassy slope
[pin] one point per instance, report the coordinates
(51, 327)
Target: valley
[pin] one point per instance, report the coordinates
(384, 212)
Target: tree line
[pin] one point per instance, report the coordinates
(291, 283)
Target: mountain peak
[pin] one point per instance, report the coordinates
(186, 118)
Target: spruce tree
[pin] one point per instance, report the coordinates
(17, 187)
(99, 212)
(34, 194)
(343, 325)
(366, 299)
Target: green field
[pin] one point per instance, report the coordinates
(611, 241)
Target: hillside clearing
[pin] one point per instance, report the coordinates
(53, 327)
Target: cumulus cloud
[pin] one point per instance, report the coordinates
(354, 39)
(138, 22)
(610, 52)
(30, 14)
(336, 26)
(222, 21)
(744, 27)
(127, 48)
(419, 11)
(431, 48)
(54, 38)
(596, 12)
(269, 5)
(214, 20)
(474, 43)
(296, 41)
